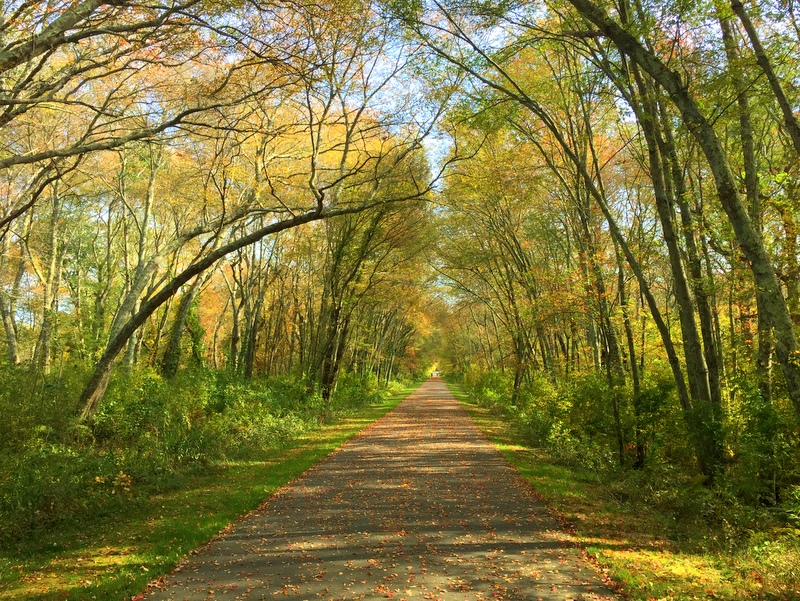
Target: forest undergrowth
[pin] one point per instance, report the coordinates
(661, 531)
(79, 504)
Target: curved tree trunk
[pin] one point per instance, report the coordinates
(96, 386)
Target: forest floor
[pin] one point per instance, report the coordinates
(419, 505)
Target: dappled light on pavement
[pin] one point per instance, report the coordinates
(418, 506)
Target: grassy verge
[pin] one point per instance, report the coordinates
(114, 557)
(648, 555)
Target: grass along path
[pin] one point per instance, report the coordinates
(419, 506)
(637, 548)
(116, 556)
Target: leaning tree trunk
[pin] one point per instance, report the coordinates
(96, 386)
(701, 285)
(705, 419)
(666, 338)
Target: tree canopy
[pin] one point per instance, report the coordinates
(584, 211)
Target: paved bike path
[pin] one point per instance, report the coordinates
(418, 506)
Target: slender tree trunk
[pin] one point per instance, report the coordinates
(50, 280)
(333, 351)
(695, 359)
(155, 352)
(251, 338)
(765, 337)
(626, 321)
(701, 283)
(10, 327)
(519, 370)
(8, 301)
(215, 338)
(172, 354)
(591, 329)
(789, 119)
(633, 365)
(792, 275)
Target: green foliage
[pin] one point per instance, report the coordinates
(354, 390)
(590, 397)
(147, 430)
(658, 531)
(573, 423)
(541, 408)
(490, 389)
(764, 440)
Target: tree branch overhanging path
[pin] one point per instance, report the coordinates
(285, 129)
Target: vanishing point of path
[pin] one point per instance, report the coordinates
(418, 506)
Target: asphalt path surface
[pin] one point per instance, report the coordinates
(418, 506)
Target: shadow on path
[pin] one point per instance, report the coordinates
(418, 506)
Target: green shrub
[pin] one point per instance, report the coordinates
(488, 388)
(147, 429)
(765, 447)
(253, 425)
(354, 390)
(541, 406)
